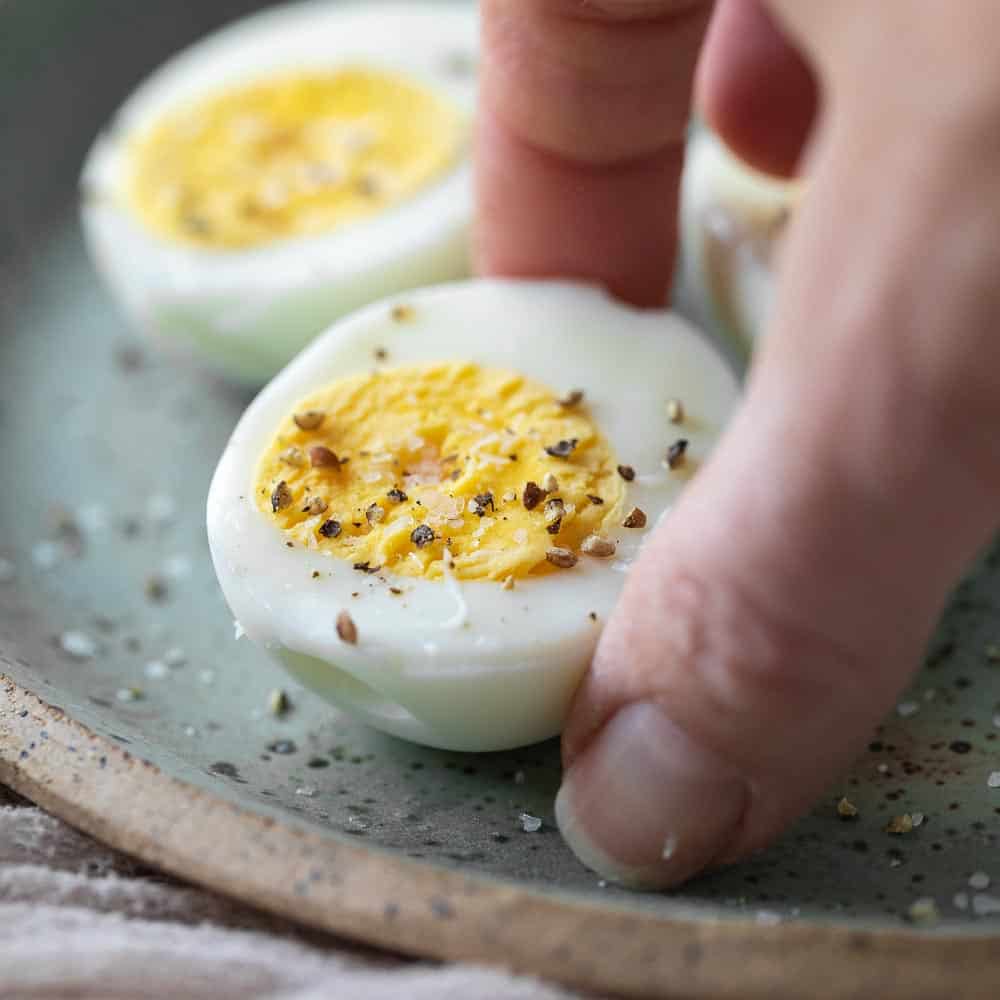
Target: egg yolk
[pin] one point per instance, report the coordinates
(291, 156)
(402, 468)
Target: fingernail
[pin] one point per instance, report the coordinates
(645, 806)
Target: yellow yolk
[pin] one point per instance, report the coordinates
(291, 156)
(446, 448)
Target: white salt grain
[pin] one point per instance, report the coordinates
(175, 657)
(308, 791)
(79, 645)
(156, 669)
(529, 823)
(979, 881)
(993, 781)
(907, 708)
(46, 555)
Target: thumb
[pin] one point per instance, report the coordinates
(780, 609)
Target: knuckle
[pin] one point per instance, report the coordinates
(729, 659)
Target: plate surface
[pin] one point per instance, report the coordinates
(109, 610)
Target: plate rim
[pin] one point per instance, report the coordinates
(428, 911)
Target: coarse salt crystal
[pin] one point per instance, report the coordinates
(907, 708)
(175, 657)
(238, 630)
(79, 645)
(993, 781)
(984, 906)
(306, 790)
(979, 880)
(156, 669)
(669, 848)
(46, 555)
(529, 823)
(917, 819)
(177, 567)
(161, 509)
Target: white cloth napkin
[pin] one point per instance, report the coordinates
(78, 920)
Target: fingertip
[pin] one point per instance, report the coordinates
(755, 89)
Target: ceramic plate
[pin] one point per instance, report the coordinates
(128, 706)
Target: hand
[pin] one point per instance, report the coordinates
(778, 612)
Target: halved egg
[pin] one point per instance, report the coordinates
(285, 171)
(428, 516)
(732, 220)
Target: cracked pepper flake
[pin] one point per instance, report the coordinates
(563, 448)
(314, 505)
(346, 629)
(320, 457)
(563, 558)
(422, 535)
(533, 495)
(397, 495)
(595, 545)
(675, 453)
(572, 398)
(281, 497)
(626, 472)
(309, 420)
(636, 518)
(330, 529)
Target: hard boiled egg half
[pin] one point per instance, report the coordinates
(285, 171)
(732, 221)
(428, 516)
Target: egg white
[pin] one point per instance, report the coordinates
(467, 665)
(248, 311)
(729, 238)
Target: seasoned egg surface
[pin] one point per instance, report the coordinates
(428, 515)
(732, 220)
(285, 170)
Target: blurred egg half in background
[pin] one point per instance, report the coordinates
(284, 171)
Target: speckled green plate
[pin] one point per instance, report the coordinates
(163, 744)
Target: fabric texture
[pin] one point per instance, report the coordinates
(79, 920)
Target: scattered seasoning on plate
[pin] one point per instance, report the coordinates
(278, 703)
(281, 497)
(330, 529)
(595, 545)
(397, 495)
(550, 484)
(636, 518)
(403, 313)
(572, 398)
(533, 495)
(846, 809)
(626, 472)
(320, 457)
(309, 420)
(79, 645)
(508, 582)
(563, 448)
(676, 453)
(366, 567)
(900, 825)
(155, 589)
(563, 558)
(381, 354)
(675, 411)
(346, 629)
